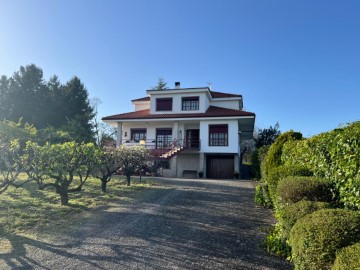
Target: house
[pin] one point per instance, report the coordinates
(188, 130)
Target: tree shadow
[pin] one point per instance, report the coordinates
(199, 228)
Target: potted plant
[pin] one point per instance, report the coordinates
(201, 174)
(236, 175)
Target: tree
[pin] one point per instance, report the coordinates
(28, 96)
(161, 85)
(4, 98)
(108, 163)
(246, 146)
(78, 111)
(35, 162)
(10, 131)
(132, 158)
(56, 100)
(102, 132)
(60, 164)
(10, 164)
(266, 136)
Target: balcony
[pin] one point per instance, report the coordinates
(166, 149)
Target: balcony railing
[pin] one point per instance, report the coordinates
(165, 149)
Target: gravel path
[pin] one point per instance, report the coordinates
(190, 224)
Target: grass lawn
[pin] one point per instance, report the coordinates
(32, 212)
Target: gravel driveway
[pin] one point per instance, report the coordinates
(189, 224)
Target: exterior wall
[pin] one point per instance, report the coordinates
(177, 102)
(187, 162)
(230, 104)
(141, 106)
(233, 137)
(207, 102)
(172, 171)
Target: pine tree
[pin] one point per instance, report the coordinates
(4, 96)
(160, 86)
(78, 111)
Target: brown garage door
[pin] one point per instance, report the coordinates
(220, 167)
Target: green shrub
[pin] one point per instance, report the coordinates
(348, 258)
(281, 172)
(316, 237)
(296, 153)
(292, 189)
(276, 244)
(262, 197)
(258, 162)
(334, 156)
(263, 151)
(273, 158)
(293, 212)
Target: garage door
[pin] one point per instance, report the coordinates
(220, 167)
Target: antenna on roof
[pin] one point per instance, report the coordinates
(209, 85)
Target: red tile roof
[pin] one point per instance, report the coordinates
(212, 111)
(142, 99)
(215, 94)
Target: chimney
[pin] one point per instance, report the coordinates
(177, 85)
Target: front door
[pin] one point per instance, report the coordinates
(192, 138)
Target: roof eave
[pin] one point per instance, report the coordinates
(178, 118)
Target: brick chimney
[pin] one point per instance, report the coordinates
(177, 85)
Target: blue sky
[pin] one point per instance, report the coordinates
(295, 62)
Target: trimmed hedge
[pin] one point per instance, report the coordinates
(273, 158)
(292, 189)
(262, 196)
(348, 258)
(334, 156)
(293, 212)
(316, 237)
(281, 172)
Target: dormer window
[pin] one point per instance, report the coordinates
(190, 103)
(164, 104)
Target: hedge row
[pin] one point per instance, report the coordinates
(293, 212)
(273, 158)
(306, 179)
(334, 156)
(317, 237)
(348, 258)
(293, 189)
(278, 173)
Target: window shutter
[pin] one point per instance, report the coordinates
(164, 104)
(218, 129)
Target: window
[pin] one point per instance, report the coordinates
(218, 135)
(163, 138)
(138, 134)
(164, 104)
(190, 103)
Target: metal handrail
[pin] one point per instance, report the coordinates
(151, 144)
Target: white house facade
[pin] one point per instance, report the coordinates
(190, 130)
